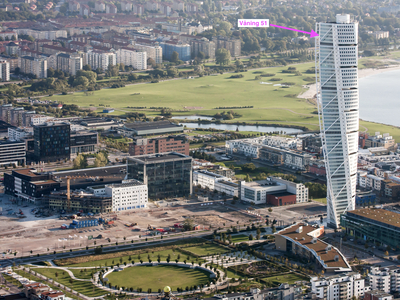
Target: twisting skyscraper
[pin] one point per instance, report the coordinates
(337, 97)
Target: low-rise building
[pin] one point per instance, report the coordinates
(377, 295)
(128, 195)
(378, 140)
(150, 128)
(17, 134)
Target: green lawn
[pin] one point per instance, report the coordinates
(83, 287)
(206, 249)
(157, 277)
(239, 238)
(376, 127)
(12, 280)
(83, 273)
(144, 256)
(286, 278)
(322, 200)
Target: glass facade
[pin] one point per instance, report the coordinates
(166, 176)
(51, 142)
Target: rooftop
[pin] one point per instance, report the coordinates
(304, 234)
(160, 157)
(126, 183)
(150, 125)
(260, 183)
(378, 214)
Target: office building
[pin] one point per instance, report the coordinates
(150, 128)
(301, 239)
(128, 195)
(52, 142)
(33, 65)
(132, 57)
(29, 185)
(215, 182)
(69, 63)
(339, 286)
(100, 59)
(141, 146)
(169, 47)
(12, 152)
(83, 142)
(377, 225)
(338, 101)
(273, 190)
(17, 134)
(4, 70)
(166, 175)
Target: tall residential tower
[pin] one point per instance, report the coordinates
(337, 96)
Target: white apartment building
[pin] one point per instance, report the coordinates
(215, 182)
(42, 35)
(4, 70)
(17, 134)
(385, 279)
(338, 287)
(38, 119)
(338, 105)
(32, 65)
(132, 57)
(128, 195)
(99, 59)
(12, 152)
(154, 52)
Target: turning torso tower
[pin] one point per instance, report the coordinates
(337, 96)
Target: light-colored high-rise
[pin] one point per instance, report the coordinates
(338, 101)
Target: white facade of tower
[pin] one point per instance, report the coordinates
(338, 101)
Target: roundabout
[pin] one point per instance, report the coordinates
(156, 276)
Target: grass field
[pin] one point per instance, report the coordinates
(157, 277)
(13, 281)
(83, 287)
(206, 249)
(239, 238)
(83, 273)
(287, 278)
(144, 256)
(269, 101)
(376, 127)
(321, 200)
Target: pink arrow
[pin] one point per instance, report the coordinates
(312, 33)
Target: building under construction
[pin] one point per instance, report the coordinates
(81, 201)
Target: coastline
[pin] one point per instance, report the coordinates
(311, 92)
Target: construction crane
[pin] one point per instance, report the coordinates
(69, 193)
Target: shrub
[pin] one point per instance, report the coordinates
(275, 79)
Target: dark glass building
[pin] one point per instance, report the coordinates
(52, 142)
(83, 142)
(167, 175)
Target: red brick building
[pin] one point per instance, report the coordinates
(317, 169)
(142, 146)
(280, 199)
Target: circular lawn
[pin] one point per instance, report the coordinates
(157, 277)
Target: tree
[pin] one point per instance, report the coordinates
(80, 162)
(112, 71)
(175, 57)
(81, 80)
(222, 56)
(151, 62)
(87, 68)
(188, 224)
(101, 160)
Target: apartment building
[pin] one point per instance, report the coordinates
(377, 295)
(386, 279)
(132, 57)
(32, 65)
(111, 8)
(169, 47)
(100, 59)
(99, 6)
(69, 63)
(4, 70)
(153, 51)
(233, 45)
(378, 140)
(338, 287)
(202, 45)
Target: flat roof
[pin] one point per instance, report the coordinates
(126, 183)
(281, 194)
(160, 157)
(230, 183)
(27, 172)
(378, 214)
(261, 183)
(208, 173)
(304, 238)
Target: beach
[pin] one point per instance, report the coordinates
(311, 92)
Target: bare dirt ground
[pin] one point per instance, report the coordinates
(40, 234)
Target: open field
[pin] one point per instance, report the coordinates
(239, 238)
(83, 287)
(272, 104)
(382, 128)
(321, 200)
(206, 249)
(286, 278)
(157, 277)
